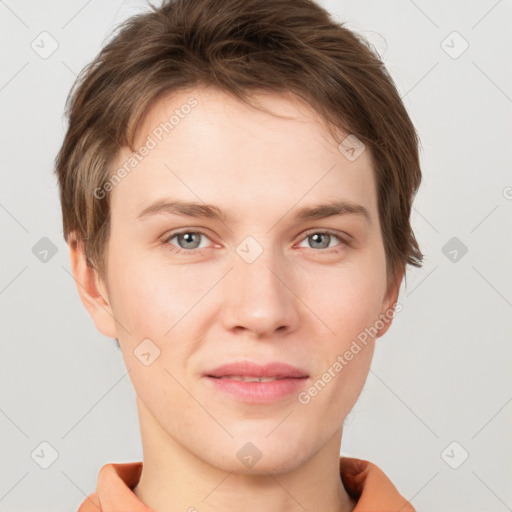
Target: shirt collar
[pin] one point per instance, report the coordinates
(365, 482)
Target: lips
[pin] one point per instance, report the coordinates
(247, 371)
(252, 383)
(247, 378)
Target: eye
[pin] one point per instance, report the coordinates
(190, 242)
(187, 241)
(322, 240)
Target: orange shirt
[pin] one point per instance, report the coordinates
(364, 481)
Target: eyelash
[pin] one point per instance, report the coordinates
(176, 250)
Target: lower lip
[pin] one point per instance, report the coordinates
(258, 392)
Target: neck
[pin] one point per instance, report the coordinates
(174, 478)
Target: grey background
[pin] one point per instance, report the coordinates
(442, 374)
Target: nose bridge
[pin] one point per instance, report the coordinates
(256, 296)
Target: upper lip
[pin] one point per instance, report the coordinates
(249, 369)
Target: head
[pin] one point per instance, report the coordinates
(259, 112)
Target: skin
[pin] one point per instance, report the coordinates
(297, 302)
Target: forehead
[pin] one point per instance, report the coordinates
(214, 107)
(206, 145)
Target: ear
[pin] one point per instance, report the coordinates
(91, 289)
(390, 299)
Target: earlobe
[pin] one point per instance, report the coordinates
(91, 290)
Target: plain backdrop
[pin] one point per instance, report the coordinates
(436, 411)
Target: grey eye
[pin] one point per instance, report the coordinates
(317, 240)
(190, 239)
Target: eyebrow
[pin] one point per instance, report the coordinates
(208, 211)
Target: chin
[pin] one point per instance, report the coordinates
(259, 456)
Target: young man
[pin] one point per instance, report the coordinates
(236, 185)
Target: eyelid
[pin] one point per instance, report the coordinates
(327, 231)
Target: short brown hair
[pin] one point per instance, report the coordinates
(240, 47)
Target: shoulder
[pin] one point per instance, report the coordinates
(371, 489)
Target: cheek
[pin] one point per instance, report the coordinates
(151, 305)
(150, 298)
(343, 358)
(348, 304)
(157, 303)
(347, 298)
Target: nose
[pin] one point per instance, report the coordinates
(259, 297)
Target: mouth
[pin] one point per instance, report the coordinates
(240, 370)
(251, 383)
(248, 378)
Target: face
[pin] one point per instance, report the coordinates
(244, 276)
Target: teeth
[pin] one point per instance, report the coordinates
(249, 379)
